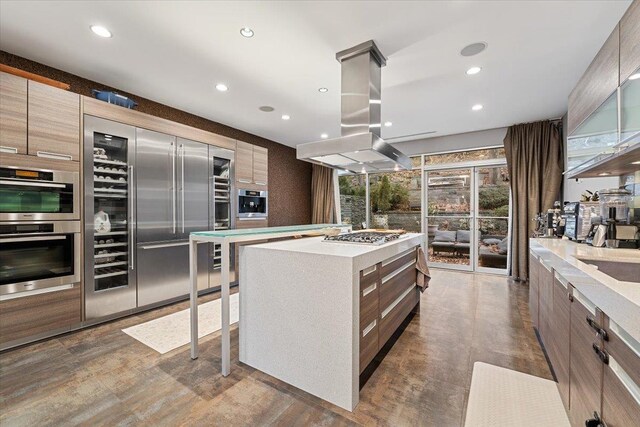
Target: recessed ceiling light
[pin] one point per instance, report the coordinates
(364, 170)
(323, 90)
(246, 32)
(473, 70)
(266, 108)
(634, 76)
(101, 31)
(477, 107)
(285, 117)
(387, 124)
(473, 49)
(636, 163)
(396, 168)
(222, 87)
(324, 136)
(604, 174)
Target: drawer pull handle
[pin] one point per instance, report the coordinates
(49, 155)
(369, 289)
(368, 329)
(604, 357)
(245, 181)
(8, 150)
(570, 296)
(369, 270)
(596, 327)
(261, 183)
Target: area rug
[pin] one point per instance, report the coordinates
(172, 331)
(501, 397)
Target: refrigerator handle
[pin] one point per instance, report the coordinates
(132, 264)
(173, 187)
(182, 182)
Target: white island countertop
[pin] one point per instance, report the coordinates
(620, 300)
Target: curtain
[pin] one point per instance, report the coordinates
(322, 195)
(535, 162)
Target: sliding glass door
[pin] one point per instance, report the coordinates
(467, 217)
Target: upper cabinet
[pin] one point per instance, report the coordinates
(53, 122)
(38, 119)
(630, 41)
(251, 165)
(597, 83)
(13, 114)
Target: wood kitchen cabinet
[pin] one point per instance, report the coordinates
(40, 314)
(630, 41)
(251, 166)
(559, 353)
(599, 81)
(620, 407)
(53, 122)
(534, 297)
(586, 368)
(545, 289)
(13, 114)
(369, 311)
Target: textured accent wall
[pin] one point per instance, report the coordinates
(289, 178)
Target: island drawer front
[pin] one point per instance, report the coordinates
(368, 344)
(368, 276)
(624, 349)
(394, 318)
(369, 308)
(396, 285)
(389, 267)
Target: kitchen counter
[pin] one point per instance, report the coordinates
(300, 309)
(620, 300)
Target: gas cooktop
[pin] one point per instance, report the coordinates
(365, 238)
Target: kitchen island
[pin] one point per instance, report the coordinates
(314, 313)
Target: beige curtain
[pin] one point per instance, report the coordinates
(534, 154)
(322, 195)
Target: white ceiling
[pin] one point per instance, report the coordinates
(175, 52)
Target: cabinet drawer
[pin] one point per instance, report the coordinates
(620, 397)
(369, 275)
(53, 122)
(389, 266)
(369, 304)
(392, 317)
(38, 314)
(368, 344)
(13, 114)
(394, 286)
(251, 223)
(624, 349)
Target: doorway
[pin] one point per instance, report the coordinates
(467, 216)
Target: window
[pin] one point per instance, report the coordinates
(353, 200)
(395, 200)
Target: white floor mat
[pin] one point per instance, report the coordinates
(172, 331)
(503, 397)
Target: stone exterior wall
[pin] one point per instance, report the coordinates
(353, 210)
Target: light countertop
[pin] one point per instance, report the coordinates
(618, 299)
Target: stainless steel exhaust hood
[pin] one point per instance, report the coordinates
(360, 148)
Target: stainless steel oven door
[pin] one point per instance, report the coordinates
(38, 255)
(252, 204)
(51, 195)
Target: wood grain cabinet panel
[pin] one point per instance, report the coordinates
(560, 344)
(545, 288)
(619, 407)
(244, 162)
(53, 122)
(599, 81)
(38, 314)
(13, 114)
(534, 293)
(260, 166)
(586, 369)
(630, 41)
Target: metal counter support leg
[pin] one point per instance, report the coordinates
(226, 339)
(193, 282)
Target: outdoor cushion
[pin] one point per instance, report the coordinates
(503, 246)
(463, 236)
(443, 244)
(445, 236)
(491, 241)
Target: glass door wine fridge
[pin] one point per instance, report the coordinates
(109, 214)
(221, 192)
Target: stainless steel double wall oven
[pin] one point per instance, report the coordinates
(144, 193)
(39, 230)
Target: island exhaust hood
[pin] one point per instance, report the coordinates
(360, 148)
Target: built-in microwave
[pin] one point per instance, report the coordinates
(35, 195)
(39, 254)
(252, 204)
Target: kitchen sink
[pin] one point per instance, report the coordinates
(619, 270)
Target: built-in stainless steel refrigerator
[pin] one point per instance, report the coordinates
(109, 218)
(172, 201)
